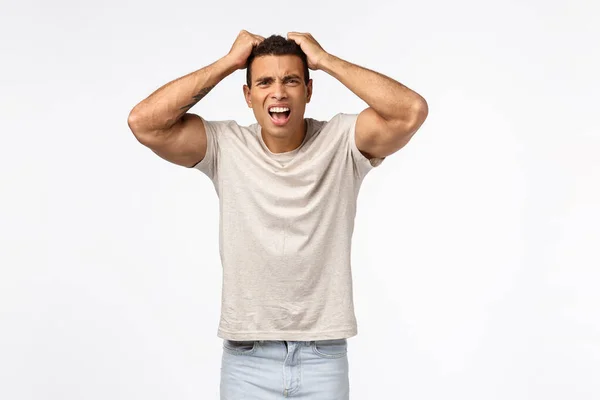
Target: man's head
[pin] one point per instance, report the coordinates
(276, 45)
(277, 75)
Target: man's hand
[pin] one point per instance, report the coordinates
(242, 48)
(313, 50)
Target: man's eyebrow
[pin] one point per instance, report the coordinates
(270, 78)
(264, 78)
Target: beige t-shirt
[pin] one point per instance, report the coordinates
(285, 229)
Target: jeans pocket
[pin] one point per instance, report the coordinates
(240, 347)
(335, 348)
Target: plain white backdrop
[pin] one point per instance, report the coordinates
(475, 260)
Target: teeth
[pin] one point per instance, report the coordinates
(279, 109)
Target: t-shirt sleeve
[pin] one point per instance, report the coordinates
(362, 164)
(209, 164)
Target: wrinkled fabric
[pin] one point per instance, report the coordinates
(285, 229)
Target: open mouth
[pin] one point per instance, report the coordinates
(279, 115)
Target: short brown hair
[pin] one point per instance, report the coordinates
(276, 45)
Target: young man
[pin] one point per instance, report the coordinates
(287, 187)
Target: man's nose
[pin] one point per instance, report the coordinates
(279, 91)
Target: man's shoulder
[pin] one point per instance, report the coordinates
(231, 128)
(340, 122)
(340, 117)
(228, 124)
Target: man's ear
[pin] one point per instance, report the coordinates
(309, 89)
(247, 96)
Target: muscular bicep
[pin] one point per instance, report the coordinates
(376, 137)
(184, 144)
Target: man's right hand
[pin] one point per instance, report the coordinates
(242, 48)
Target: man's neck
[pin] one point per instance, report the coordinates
(284, 144)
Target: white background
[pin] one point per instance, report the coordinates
(475, 264)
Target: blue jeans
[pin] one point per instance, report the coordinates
(270, 370)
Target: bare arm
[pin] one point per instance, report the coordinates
(162, 122)
(395, 112)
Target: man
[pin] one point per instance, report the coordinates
(287, 189)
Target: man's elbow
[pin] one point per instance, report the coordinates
(411, 118)
(134, 119)
(419, 113)
(138, 124)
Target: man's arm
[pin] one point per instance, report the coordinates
(395, 112)
(161, 121)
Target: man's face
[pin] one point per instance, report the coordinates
(278, 81)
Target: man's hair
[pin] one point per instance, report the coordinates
(276, 45)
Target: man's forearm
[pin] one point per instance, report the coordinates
(389, 98)
(163, 108)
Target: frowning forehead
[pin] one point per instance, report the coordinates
(277, 67)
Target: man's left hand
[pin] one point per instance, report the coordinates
(313, 50)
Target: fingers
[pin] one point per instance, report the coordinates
(298, 34)
(244, 32)
(243, 46)
(294, 36)
(256, 39)
(300, 37)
